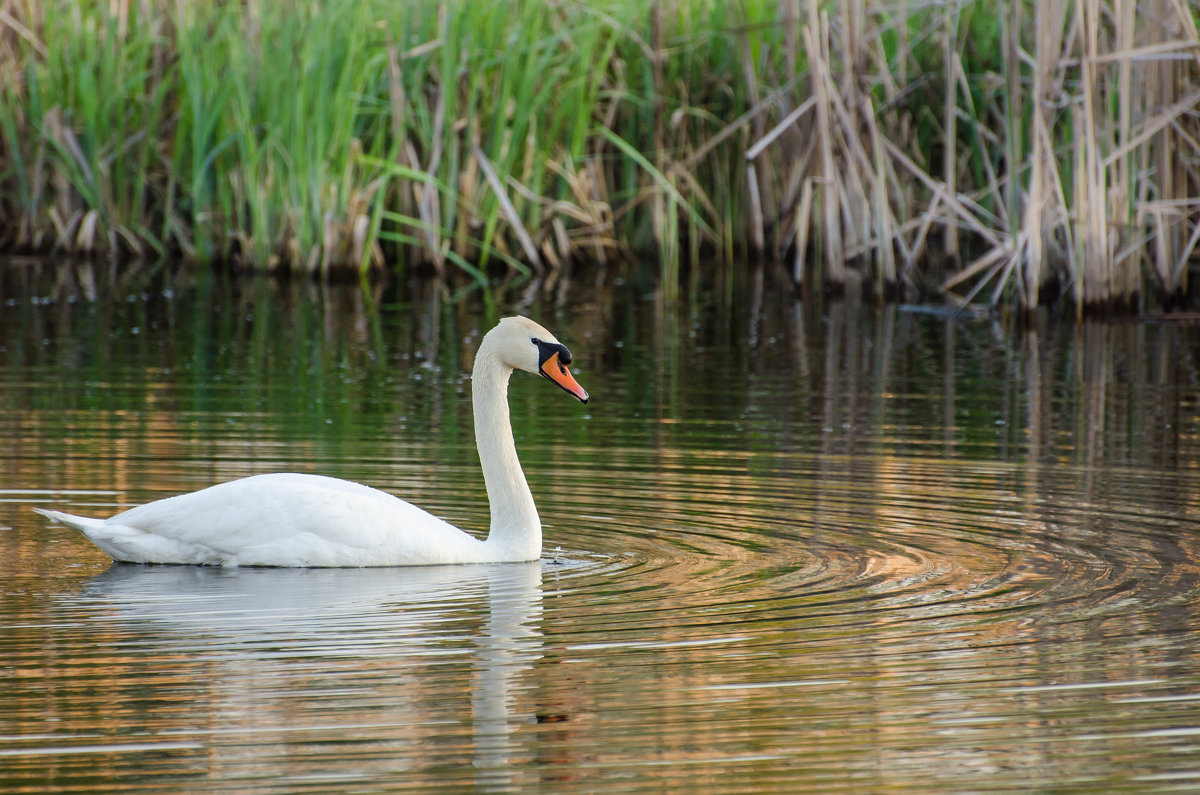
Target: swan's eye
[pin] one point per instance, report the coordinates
(549, 350)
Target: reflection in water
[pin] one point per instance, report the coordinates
(260, 640)
(803, 548)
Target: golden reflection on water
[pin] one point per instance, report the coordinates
(801, 550)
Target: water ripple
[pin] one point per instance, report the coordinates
(921, 540)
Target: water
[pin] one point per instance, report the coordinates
(788, 548)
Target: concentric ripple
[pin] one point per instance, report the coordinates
(945, 538)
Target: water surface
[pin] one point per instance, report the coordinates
(788, 547)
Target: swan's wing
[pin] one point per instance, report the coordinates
(280, 520)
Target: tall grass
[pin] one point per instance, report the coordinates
(1002, 152)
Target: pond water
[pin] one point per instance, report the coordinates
(788, 547)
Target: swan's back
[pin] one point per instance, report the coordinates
(284, 519)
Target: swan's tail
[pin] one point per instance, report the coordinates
(99, 532)
(131, 544)
(81, 523)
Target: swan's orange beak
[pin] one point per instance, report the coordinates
(557, 372)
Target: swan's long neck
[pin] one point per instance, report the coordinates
(516, 531)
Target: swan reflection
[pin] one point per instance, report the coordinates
(287, 661)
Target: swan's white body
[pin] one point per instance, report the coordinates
(310, 520)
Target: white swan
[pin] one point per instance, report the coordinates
(310, 520)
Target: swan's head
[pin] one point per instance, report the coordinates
(524, 345)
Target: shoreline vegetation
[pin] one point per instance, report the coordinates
(1010, 153)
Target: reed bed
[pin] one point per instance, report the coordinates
(1004, 152)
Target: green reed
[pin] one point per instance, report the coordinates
(81, 156)
(981, 151)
